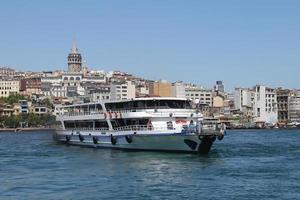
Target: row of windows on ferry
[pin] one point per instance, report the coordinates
(98, 124)
(197, 95)
(130, 105)
(175, 104)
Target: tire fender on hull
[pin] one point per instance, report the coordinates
(81, 138)
(95, 140)
(68, 138)
(128, 139)
(113, 139)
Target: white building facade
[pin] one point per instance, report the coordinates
(265, 105)
(294, 107)
(121, 91)
(178, 89)
(243, 97)
(8, 87)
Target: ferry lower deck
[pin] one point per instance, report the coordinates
(141, 140)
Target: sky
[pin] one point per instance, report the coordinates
(243, 43)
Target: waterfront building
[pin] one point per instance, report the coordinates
(160, 88)
(244, 102)
(294, 106)
(122, 91)
(142, 91)
(218, 105)
(24, 106)
(6, 110)
(178, 89)
(97, 92)
(199, 95)
(40, 109)
(283, 104)
(265, 105)
(30, 86)
(6, 71)
(243, 97)
(74, 60)
(9, 87)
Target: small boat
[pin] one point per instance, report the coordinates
(152, 124)
(17, 130)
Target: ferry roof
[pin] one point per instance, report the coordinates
(125, 100)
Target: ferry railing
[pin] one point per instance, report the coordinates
(87, 129)
(134, 128)
(141, 128)
(69, 114)
(82, 113)
(142, 109)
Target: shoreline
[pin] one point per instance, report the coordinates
(26, 129)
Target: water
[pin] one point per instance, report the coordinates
(245, 165)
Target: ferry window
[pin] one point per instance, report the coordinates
(98, 107)
(117, 123)
(69, 124)
(84, 124)
(163, 104)
(139, 104)
(150, 104)
(109, 106)
(101, 124)
(129, 122)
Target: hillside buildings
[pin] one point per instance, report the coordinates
(6, 72)
(294, 106)
(283, 104)
(122, 91)
(9, 87)
(259, 104)
(265, 105)
(160, 88)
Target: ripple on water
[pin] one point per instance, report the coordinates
(245, 165)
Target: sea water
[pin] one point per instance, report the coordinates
(256, 164)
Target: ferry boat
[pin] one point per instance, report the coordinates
(153, 124)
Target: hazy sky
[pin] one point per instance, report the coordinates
(240, 42)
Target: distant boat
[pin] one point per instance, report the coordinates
(18, 130)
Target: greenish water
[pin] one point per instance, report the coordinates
(245, 165)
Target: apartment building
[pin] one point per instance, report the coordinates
(265, 104)
(8, 87)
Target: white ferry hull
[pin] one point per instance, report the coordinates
(177, 142)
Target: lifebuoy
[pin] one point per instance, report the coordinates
(95, 140)
(200, 137)
(81, 138)
(113, 140)
(128, 139)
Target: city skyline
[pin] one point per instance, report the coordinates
(242, 44)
